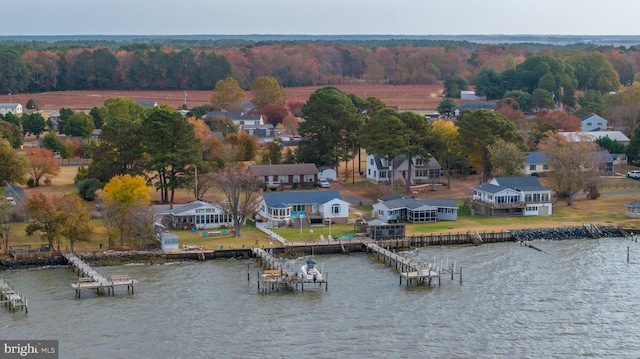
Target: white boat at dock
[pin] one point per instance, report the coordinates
(310, 273)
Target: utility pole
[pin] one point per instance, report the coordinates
(196, 167)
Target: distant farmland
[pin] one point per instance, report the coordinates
(409, 97)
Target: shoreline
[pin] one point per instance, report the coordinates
(111, 257)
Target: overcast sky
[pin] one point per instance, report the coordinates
(319, 17)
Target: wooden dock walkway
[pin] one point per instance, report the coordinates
(12, 298)
(89, 278)
(278, 274)
(409, 270)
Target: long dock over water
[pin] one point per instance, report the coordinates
(89, 278)
(12, 298)
(409, 270)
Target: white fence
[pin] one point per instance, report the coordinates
(263, 227)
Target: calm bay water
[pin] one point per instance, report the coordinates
(578, 298)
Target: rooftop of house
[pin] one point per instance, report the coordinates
(413, 202)
(176, 209)
(523, 183)
(286, 199)
(284, 169)
(594, 135)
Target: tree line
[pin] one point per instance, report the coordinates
(176, 67)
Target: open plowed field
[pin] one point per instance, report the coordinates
(413, 97)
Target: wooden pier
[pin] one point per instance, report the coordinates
(89, 278)
(410, 270)
(278, 274)
(12, 298)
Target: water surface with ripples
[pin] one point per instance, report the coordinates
(575, 298)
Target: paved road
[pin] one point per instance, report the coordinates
(18, 194)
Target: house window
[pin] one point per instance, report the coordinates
(296, 178)
(283, 179)
(545, 167)
(369, 171)
(589, 124)
(308, 178)
(532, 167)
(335, 209)
(383, 174)
(422, 173)
(419, 161)
(371, 161)
(374, 173)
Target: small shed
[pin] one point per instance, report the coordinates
(168, 242)
(327, 173)
(633, 209)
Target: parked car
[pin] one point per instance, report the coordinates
(635, 174)
(323, 183)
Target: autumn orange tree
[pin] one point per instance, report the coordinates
(121, 195)
(55, 218)
(42, 164)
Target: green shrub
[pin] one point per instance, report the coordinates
(87, 188)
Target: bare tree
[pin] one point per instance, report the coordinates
(7, 214)
(140, 223)
(576, 164)
(241, 190)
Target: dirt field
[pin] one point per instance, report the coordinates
(414, 97)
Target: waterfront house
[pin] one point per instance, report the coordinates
(197, 215)
(512, 196)
(380, 169)
(286, 176)
(399, 208)
(302, 208)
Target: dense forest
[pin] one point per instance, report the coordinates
(177, 64)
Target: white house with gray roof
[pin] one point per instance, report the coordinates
(302, 208)
(239, 118)
(399, 208)
(14, 108)
(512, 196)
(196, 214)
(422, 171)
